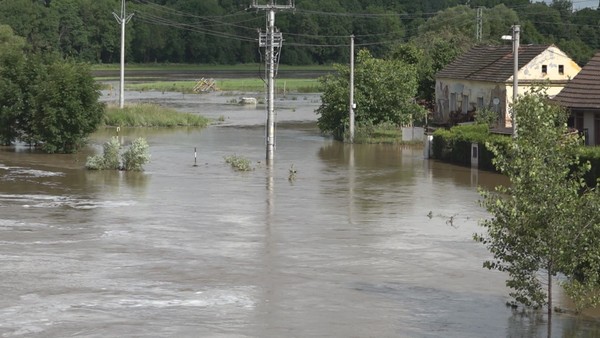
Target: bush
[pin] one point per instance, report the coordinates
(238, 163)
(454, 145)
(136, 156)
(133, 159)
(111, 154)
(591, 155)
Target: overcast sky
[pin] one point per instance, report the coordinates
(577, 4)
(585, 3)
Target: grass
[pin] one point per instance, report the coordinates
(386, 133)
(150, 115)
(247, 85)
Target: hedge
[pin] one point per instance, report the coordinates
(454, 146)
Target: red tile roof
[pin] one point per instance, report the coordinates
(583, 91)
(490, 63)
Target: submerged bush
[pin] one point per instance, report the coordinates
(136, 156)
(133, 159)
(238, 163)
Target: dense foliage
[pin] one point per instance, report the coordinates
(546, 222)
(454, 145)
(225, 31)
(44, 100)
(384, 93)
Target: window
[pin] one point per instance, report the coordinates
(561, 69)
(480, 102)
(465, 104)
(545, 69)
(453, 102)
(576, 121)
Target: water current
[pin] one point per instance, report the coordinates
(365, 241)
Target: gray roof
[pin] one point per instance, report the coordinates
(583, 91)
(489, 63)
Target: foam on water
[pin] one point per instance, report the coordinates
(54, 201)
(34, 314)
(16, 172)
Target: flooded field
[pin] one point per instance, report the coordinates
(366, 241)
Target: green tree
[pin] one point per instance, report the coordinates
(12, 85)
(539, 221)
(65, 106)
(384, 93)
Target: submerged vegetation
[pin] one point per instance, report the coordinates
(132, 159)
(239, 163)
(150, 115)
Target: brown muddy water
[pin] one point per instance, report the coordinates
(366, 241)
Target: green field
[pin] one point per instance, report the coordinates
(243, 85)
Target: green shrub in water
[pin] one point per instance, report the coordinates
(133, 159)
(238, 163)
(136, 156)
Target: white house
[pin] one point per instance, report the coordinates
(483, 78)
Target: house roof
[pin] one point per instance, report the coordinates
(583, 91)
(490, 63)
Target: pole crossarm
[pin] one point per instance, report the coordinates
(273, 6)
(264, 39)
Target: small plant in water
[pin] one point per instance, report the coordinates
(292, 176)
(238, 163)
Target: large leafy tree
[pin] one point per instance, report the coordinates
(45, 100)
(545, 222)
(384, 93)
(12, 81)
(66, 107)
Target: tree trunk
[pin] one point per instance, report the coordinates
(550, 301)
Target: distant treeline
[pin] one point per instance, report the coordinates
(315, 32)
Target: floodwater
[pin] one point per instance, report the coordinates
(365, 241)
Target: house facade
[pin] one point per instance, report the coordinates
(482, 78)
(581, 96)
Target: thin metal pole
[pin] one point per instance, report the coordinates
(352, 88)
(516, 33)
(271, 89)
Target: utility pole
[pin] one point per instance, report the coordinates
(516, 33)
(352, 88)
(123, 19)
(272, 41)
(479, 26)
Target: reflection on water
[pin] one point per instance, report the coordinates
(358, 245)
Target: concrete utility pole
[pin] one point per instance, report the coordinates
(516, 33)
(516, 29)
(271, 40)
(123, 19)
(479, 26)
(352, 88)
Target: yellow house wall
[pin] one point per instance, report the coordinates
(552, 58)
